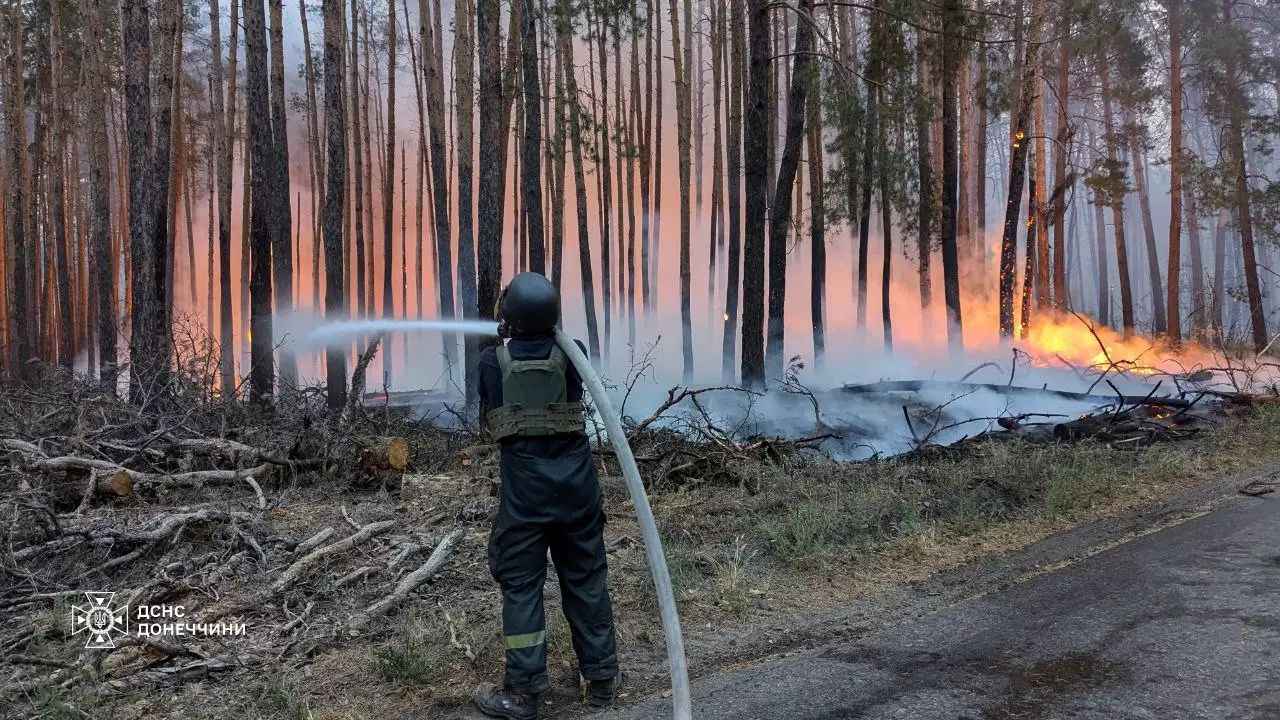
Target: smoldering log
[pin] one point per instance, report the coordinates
(916, 386)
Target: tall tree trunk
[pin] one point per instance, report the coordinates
(493, 143)
(262, 159)
(335, 198)
(58, 198)
(684, 136)
(796, 109)
(281, 212)
(557, 154)
(1199, 300)
(734, 161)
(564, 47)
(20, 310)
(1117, 205)
(1234, 141)
(1137, 161)
(315, 155)
(1173, 311)
(924, 165)
(1060, 193)
(646, 159)
(531, 178)
(980, 153)
(222, 158)
(1100, 238)
(871, 139)
(950, 260)
(165, 176)
(389, 173)
(356, 108)
(1043, 282)
(886, 251)
(755, 174)
(1031, 246)
(436, 112)
(463, 78)
(102, 303)
(147, 319)
(817, 223)
(1017, 173)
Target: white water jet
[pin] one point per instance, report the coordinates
(345, 330)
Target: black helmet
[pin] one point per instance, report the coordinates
(529, 305)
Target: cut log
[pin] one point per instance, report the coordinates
(383, 453)
(118, 483)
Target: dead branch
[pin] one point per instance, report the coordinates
(414, 579)
(301, 565)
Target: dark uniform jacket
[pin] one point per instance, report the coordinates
(545, 481)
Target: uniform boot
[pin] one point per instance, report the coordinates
(604, 692)
(500, 703)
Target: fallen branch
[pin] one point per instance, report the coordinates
(300, 566)
(414, 579)
(916, 386)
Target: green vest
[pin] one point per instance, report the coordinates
(534, 398)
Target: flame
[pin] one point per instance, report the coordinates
(1068, 340)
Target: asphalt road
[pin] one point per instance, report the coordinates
(1183, 623)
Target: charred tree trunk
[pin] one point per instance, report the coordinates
(870, 141)
(281, 213)
(1017, 176)
(335, 307)
(357, 163)
(20, 310)
(145, 347)
(755, 172)
(1061, 296)
(1117, 205)
(102, 299)
(950, 260)
(924, 165)
(817, 223)
(684, 136)
(796, 110)
(262, 159)
(492, 160)
(1172, 310)
(389, 173)
(58, 197)
(734, 190)
(531, 165)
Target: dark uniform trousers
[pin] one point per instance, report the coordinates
(518, 561)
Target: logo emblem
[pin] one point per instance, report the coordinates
(100, 620)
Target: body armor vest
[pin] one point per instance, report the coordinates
(535, 398)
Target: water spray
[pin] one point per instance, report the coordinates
(333, 332)
(341, 331)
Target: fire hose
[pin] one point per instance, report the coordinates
(648, 527)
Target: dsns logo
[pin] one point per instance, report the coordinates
(100, 620)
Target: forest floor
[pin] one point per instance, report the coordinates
(768, 544)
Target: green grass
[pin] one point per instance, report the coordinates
(416, 654)
(285, 700)
(842, 510)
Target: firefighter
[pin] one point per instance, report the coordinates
(531, 399)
